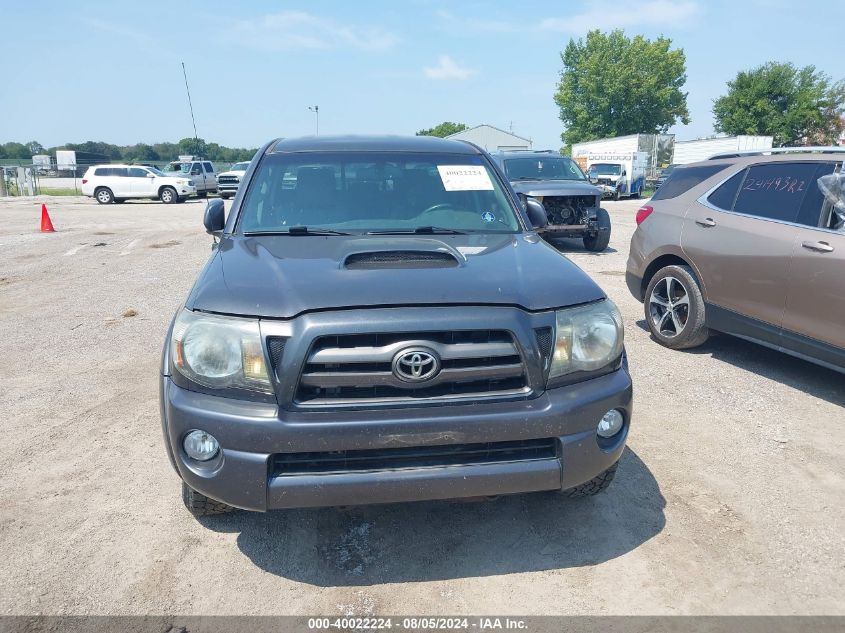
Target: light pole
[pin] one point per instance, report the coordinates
(316, 111)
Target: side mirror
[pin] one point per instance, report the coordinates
(149, 175)
(215, 216)
(536, 213)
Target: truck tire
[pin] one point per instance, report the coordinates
(598, 242)
(168, 195)
(202, 194)
(597, 484)
(616, 194)
(201, 506)
(104, 195)
(685, 326)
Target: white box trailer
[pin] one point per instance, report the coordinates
(618, 174)
(703, 148)
(658, 149)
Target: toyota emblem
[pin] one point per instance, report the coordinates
(416, 364)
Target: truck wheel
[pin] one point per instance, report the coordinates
(201, 506)
(168, 195)
(599, 241)
(616, 195)
(596, 485)
(202, 194)
(674, 308)
(104, 195)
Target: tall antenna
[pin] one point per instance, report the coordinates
(191, 106)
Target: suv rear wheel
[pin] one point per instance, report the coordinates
(674, 308)
(104, 195)
(201, 506)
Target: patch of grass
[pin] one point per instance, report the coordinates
(61, 192)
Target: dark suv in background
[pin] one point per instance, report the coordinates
(751, 245)
(380, 322)
(572, 203)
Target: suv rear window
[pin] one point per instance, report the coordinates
(110, 171)
(775, 191)
(682, 179)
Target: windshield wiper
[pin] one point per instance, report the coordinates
(430, 230)
(528, 178)
(298, 230)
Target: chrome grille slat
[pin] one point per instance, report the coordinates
(356, 369)
(385, 353)
(369, 378)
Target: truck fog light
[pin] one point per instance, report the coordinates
(610, 424)
(200, 446)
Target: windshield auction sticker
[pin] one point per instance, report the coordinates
(465, 178)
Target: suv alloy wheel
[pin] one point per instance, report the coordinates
(674, 308)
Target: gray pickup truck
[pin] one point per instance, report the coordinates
(380, 322)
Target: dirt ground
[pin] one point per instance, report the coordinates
(730, 499)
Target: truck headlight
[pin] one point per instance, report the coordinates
(219, 352)
(587, 338)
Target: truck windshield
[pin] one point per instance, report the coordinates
(604, 169)
(182, 168)
(239, 167)
(545, 168)
(361, 192)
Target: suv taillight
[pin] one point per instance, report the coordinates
(84, 180)
(643, 212)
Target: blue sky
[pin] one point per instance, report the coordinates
(111, 71)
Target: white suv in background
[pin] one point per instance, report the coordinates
(229, 181)
(116, 183)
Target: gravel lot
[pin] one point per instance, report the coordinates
(730, 498)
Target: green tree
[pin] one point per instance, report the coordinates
(194, 146)
(796, 106)
(15, 150)
(140, 152)
(611, 85)
(443, 130)
(34, 147)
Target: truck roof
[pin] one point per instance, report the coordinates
(421, 144)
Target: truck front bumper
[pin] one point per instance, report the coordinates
(252, 435)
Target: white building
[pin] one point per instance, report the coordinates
(492, 139)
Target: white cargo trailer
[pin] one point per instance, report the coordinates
(703, 148)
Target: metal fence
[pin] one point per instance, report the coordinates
(24, 178)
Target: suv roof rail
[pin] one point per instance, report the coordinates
(527, 151)
(821, 149)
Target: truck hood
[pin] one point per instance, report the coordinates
(284, 276)
(555, 188)
(239, 174)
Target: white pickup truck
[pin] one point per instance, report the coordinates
(200, 171)
(229, 181)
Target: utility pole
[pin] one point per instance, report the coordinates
(316, 110)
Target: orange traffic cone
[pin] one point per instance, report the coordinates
(46, 224)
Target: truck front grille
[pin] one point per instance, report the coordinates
(338, 462)
(228, 180)
(358, 369)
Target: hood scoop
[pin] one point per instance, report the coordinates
(400, 259)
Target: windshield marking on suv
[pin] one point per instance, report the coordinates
(367, 192)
